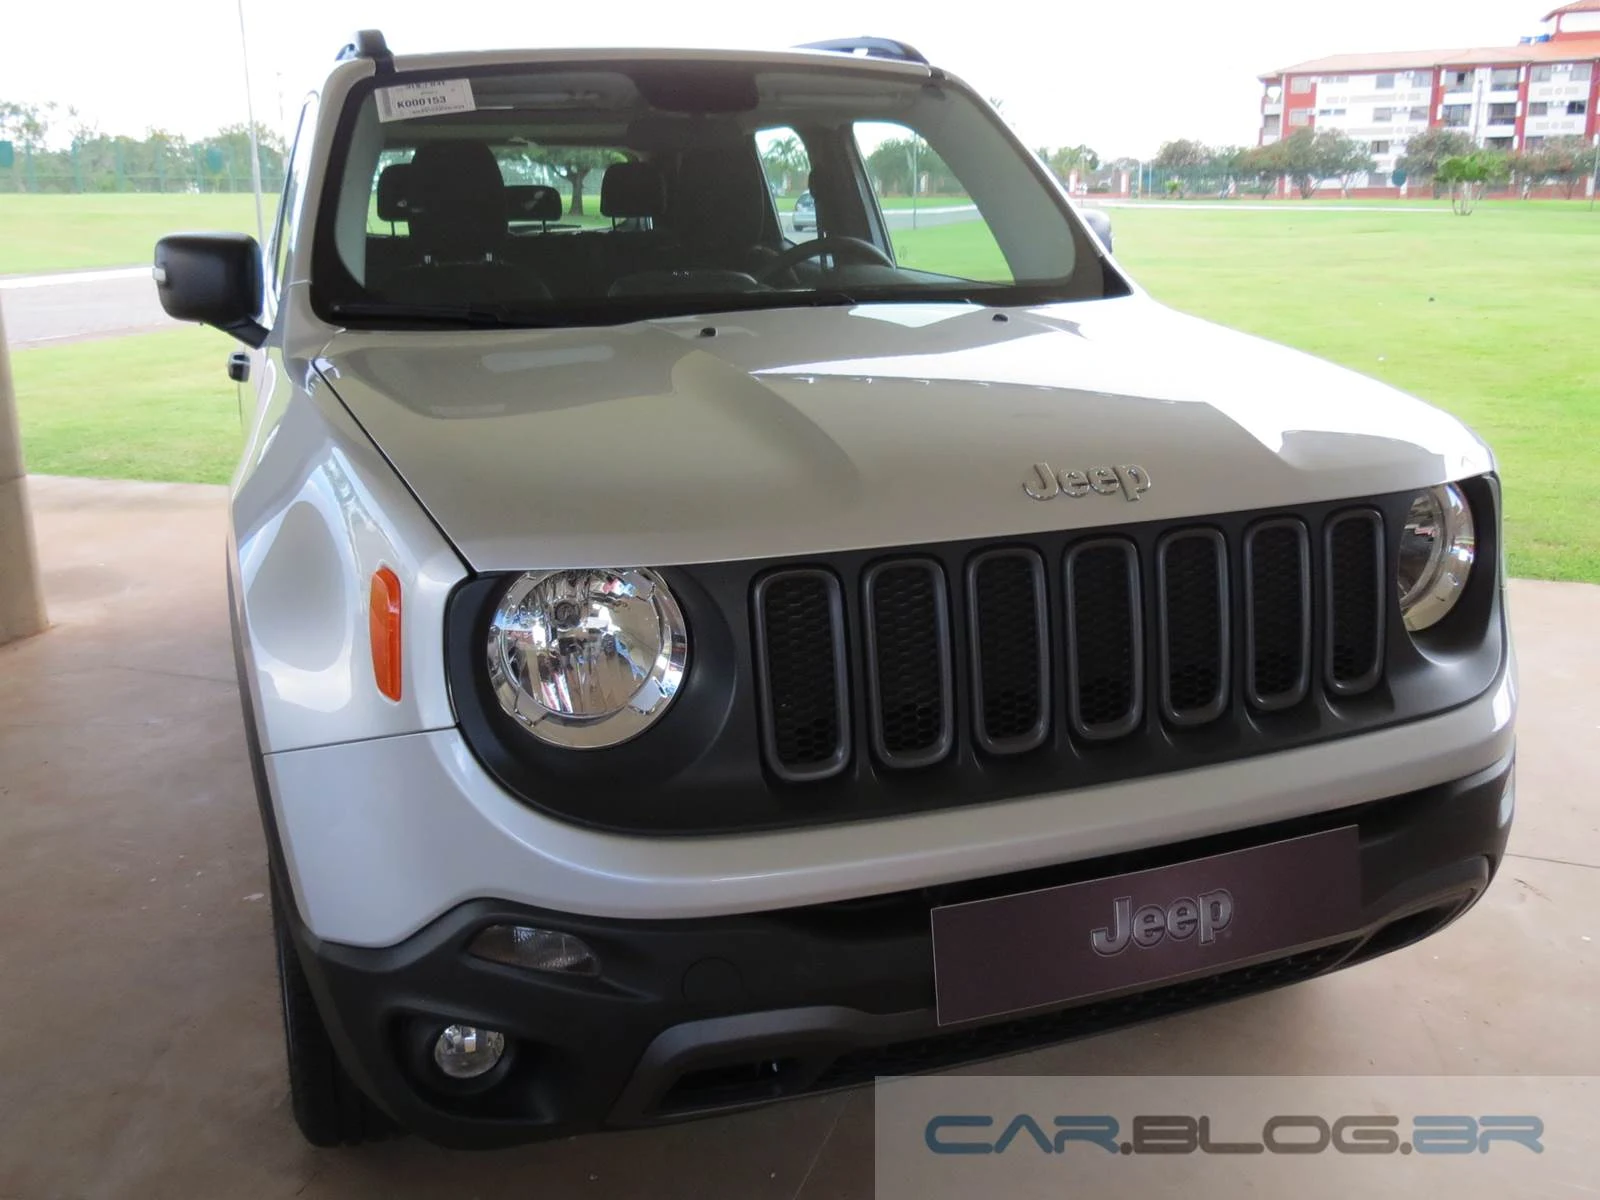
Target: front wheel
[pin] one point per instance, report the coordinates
(328, 1107)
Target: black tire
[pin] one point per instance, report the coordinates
(328, 1107)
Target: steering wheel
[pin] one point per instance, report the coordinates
(841, 246)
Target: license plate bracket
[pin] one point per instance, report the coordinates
(1054, 946)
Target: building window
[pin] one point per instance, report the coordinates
(1419, 112)
(1502, 114)
(1454, 81)
(1382, 116)
(1503, 143)
(1385, 81)
(1457, 116)
(1336, 79)
(1378, 147)
(1422, 79)
(1580, 72)
(1300, 116)
(1300, 84)
(1576, 108)
(1532, 143)
(1271, 124)
(1541, 74)
(1537, 108)
(1504, 77)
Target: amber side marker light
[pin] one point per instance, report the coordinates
(383, 623)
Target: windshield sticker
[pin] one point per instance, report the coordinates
(405, 101)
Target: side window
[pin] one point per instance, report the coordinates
(787, 167)
(288, 217)
(932, 221)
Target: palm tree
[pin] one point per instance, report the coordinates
(786, 157)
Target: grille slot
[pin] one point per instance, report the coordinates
(908, 662)
(800, 663)
(1355, 598)
(1105, 646)
(1192, 587)
(1277, 613)
(1010, 641)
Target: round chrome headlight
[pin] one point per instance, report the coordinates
(1436, 553)
(587, 658)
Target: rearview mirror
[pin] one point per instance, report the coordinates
(1099, 222)
(213, 278)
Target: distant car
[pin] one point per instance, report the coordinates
(805, 212)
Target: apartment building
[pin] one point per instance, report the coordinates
(1507, 98)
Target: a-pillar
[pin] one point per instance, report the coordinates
(21, 602)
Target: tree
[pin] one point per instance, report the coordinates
(1064, 160)
(1263, 166)
(1182, 155)
(1230, 164)
(1182, 160)
(1299, 160)
(26, 124)
(1337, 155)
(890, 165)
(785, 159)
(1426, 150)
(1567, 161)
(226, 153)
(1467, 175)
(573, 164)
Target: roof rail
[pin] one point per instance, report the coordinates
(870, 47)
(368, 43)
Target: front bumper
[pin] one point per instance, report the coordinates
(719, 1013)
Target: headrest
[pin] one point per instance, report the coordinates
(533, 202)
(457, 198)
(721, 197)
(394, 192)
(632, 189)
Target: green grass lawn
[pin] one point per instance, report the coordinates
(156, 406)
(59, 233)
(1492, 317)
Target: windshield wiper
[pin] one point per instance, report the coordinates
(476, 315)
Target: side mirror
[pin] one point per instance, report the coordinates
(1099, 223)
(213, 278)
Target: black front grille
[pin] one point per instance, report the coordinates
(908, 662)
(1104, 648)
(1210, 620)
(1193, 570)
(800, 622)
(1277, 576)
(1011, 649)
(1354, 571)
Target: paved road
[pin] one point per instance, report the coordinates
(41, 310)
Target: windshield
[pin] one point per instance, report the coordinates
(584, 193)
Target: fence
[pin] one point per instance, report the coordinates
(116, 168)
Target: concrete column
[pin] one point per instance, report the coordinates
(21, 601)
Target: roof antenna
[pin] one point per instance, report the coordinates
(255, 148)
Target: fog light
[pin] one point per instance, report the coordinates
(466, 1052)
(536, 949)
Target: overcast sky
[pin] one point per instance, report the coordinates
(1119, 76)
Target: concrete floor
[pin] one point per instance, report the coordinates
(140, 1050)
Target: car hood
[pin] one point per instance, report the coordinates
(798, 431)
